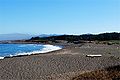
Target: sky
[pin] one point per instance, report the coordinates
(59, 16)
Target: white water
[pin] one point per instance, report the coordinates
(47, 48)
(1, 57)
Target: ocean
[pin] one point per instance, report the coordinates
(9, 50)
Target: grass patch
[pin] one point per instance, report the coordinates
(109, 42)
(110, 73)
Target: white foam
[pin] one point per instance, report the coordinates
(1, 57)
(47, 48)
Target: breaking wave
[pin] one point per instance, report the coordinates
(47, 48)
(44, 49)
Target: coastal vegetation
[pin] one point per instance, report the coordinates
(110, 73)
(113, 38)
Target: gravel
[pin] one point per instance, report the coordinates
(60, 65)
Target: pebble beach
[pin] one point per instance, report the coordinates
(63, 64)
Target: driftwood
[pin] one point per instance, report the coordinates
(97, 55)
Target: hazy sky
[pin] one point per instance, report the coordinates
(59, 16)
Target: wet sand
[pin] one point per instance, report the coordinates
(60, 65)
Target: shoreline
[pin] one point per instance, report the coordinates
(47, 49)
(63, 64)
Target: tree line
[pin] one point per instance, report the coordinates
(86, 37)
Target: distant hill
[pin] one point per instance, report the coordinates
(15, 36)
(47, 35)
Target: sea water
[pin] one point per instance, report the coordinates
(24, 49)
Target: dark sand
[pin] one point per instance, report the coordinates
(110, 73)
(60, 65)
